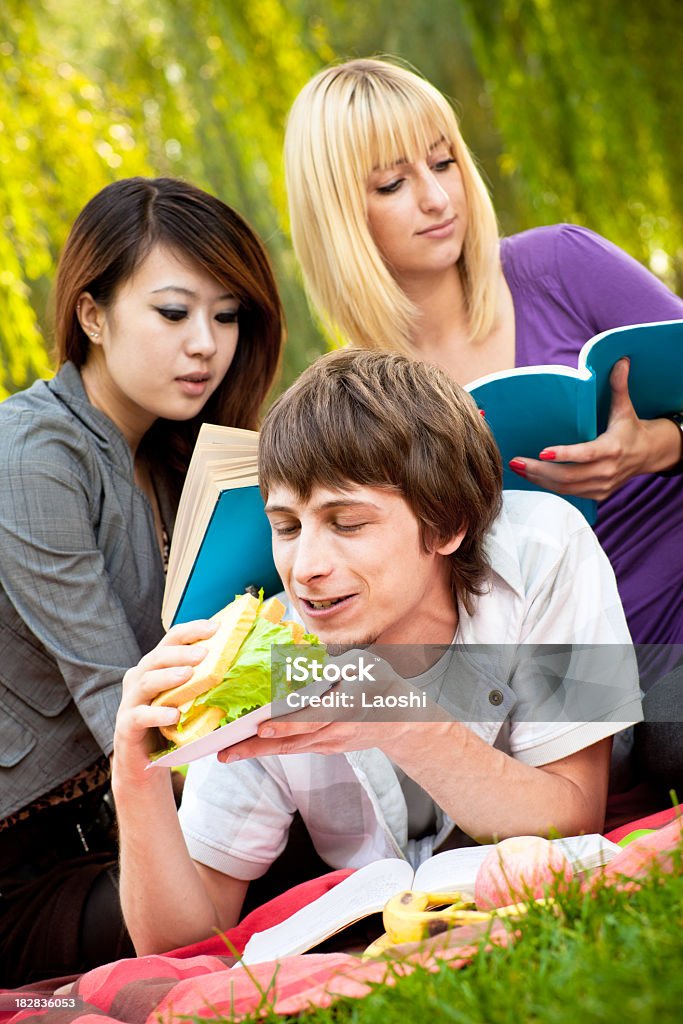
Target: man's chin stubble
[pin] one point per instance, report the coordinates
(339, 647)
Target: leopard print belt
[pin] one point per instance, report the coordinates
(86, 781)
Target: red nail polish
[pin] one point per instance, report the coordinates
(481, 412)
(547, 456)
(517, 466)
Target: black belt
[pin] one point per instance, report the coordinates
(54, 834)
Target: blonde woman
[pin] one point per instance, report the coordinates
(399, 246)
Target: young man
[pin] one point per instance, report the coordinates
(382, 485)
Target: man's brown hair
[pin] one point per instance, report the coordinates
(381, 420)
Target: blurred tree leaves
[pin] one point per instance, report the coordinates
(572, 109)
(90, 93)
(589, 102)
(55, 151)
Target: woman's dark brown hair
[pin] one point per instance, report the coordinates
(383, 420)
(111, 237)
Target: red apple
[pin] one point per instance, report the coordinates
(517, 869)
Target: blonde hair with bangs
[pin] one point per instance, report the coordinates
(348, 120)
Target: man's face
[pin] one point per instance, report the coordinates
(353, 565)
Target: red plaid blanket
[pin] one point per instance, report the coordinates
(206, 980)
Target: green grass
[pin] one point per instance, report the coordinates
(611, 957)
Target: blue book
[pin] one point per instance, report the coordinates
(222, 538)
(533, 407)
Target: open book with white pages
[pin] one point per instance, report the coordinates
(367, 891)
(221, 540)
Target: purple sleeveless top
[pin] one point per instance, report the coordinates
(567, 285)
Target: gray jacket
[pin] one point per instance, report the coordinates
(81, 584)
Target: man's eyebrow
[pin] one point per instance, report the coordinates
(326, 505)
(188, 291)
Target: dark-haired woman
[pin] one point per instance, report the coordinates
(167, 315)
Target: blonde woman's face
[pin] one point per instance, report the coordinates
(417, 215)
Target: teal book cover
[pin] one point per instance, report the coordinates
(656, 373)
(532, 407)
(236, 552)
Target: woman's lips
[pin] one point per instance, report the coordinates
(441, 230)
(193, 385)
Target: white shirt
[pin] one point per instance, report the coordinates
(551, 584)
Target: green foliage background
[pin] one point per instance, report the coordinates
(574, 111)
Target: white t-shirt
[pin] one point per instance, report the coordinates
(551, 584)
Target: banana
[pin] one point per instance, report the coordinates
(377, 948)
(407, 917)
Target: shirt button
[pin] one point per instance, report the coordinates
(495, 698)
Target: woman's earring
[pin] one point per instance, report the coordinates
(94, 334)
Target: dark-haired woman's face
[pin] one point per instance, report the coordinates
(164, 344)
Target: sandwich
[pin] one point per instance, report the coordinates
(235, 676)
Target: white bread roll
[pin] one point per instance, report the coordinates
(235, 621)
(201, 724)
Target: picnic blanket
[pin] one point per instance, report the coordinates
(207, 980)
(166, 989)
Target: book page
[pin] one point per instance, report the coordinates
(361, 894)
(222, 456)
(457, 869)
(586, 852)
(450, 871)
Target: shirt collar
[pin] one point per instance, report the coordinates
(501, 549)
(67, 386)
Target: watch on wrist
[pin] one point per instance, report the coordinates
(677, 468)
